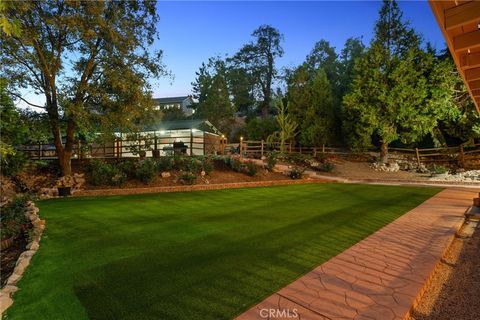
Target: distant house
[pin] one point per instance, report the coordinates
(183, 103)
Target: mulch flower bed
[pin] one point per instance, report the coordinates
(10, 255)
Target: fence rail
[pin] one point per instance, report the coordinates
(458, 154)
(202, 144)
(196, 144)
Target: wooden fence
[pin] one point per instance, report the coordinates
(204, 143)
(453, 155)
(195, 144)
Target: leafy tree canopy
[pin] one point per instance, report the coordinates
(90, 60)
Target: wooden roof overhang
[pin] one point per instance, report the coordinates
(460, 25)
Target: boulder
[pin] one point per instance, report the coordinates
(165, 174)
(33, 245)
(5, 302)
(21, 264)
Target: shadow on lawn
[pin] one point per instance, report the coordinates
(219, 276)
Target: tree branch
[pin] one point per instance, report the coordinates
(27, 102)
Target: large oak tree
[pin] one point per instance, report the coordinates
(90, 60)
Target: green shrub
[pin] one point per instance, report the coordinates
(296, 172)
(12, 164)
(103, 173)
(188, 178)
(272, 160)
(297, 158)
(179, 161)
(207, 165)
(186, 163)
(438, 169)
(326, 166)
(250, 168)
(146, 170)
(12, 218)
(165, 163)
(128, 167)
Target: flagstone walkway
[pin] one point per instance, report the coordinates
(380, 277)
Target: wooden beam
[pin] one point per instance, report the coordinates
(472, 74)
(466, 41)
(474, 84)
(469, 61)
(461, 15)
(476, 93)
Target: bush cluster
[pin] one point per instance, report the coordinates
(116, 173)
(296, 172)
(438, 169)
(12, 164)
(103, 173)
(272, 160)
(12, 218)
(249, 167)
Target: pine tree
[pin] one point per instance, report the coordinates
(318, 126)
(388, 97)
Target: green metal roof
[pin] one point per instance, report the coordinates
(169, 100)
(199, 124)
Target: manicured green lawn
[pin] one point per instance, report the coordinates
(195, 255)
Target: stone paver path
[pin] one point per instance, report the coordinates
(381, 276)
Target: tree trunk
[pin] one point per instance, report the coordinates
(384, 152)
(65, 162)
(64, 153)
(265, 108)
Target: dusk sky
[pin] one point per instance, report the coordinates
(191, 32)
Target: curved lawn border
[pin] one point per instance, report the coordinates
(216, 186)
(23, 261)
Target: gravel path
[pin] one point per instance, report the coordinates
(454, 292)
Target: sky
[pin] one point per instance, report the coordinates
(191, 32)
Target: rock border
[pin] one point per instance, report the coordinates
(196, 187)
(6, 293)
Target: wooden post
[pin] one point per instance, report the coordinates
(191, 142)
(261, 150)
(314, 152)
(117, 144)
(300, 149)
(241, 147)
(39, 151)
(462, 157)
(79, 149)
(418, 156)
(323, 148)
(204, 143)
(222, 144)
(290, 147)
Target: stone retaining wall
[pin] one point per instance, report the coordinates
(24, 259)
(234, 185)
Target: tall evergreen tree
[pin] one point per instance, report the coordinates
(389, 90)
(318, 126)
(212, 94)
(351, 52)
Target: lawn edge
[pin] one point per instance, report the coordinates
(8, 291)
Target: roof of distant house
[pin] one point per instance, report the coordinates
(200, 124)
(167, 100)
